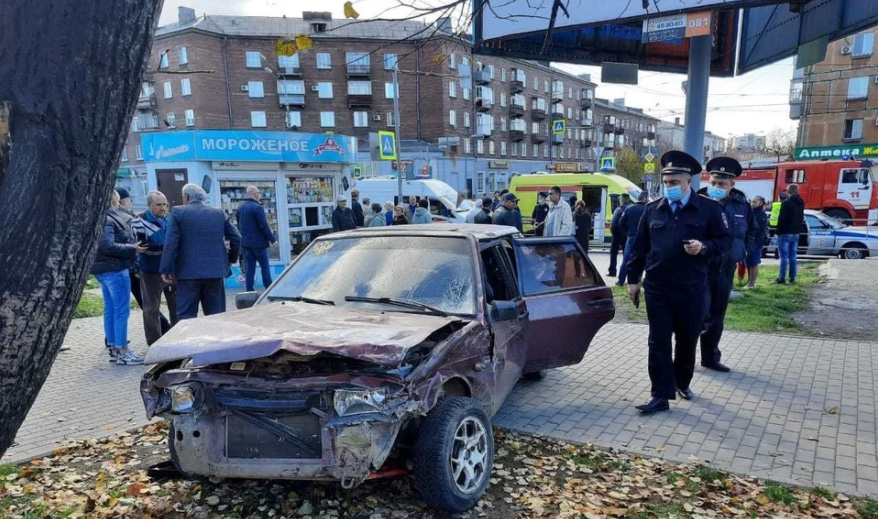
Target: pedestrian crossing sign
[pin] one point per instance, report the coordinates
(649, 168)
(608, 162)
(559, 126)
(387, 145)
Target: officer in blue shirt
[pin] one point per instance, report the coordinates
(721, 272)
(676, 237)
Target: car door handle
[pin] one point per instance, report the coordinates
(601, 302)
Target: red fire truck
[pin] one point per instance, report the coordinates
(843, 189)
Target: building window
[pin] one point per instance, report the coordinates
(389, 118)
(466, 93)
(452, 118)
(388, 90)
(171, 119)
(163, 61)
(294, 119)
(147, 90)
(502, 124)
(257, 119)
(358, 61)
(502, 75)
(464, 61)
(124, 155)
(166, 88)
(361, 119)
(190, 117)
(452, 89)
(254, 59)
(858, 88)
(546, 86)
(535, 128)
(452, 61)
(467, 146)
(255, 89)
(186, 87)
(535, 84)
(183, 56)
(480, 147)
(569, 92)
(466, 119)
(290, 87)
(863, 44)
(503, 99)
(327, 119)
(545, 150)
(138, 152)
(535, 150)
(853, 129)
(390, 61)
(359, 88)
(513, 149)
(569, 113)
(324, 60)
(288, 62)
(324, 89)
(491, 149)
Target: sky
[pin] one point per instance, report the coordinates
(756, 102)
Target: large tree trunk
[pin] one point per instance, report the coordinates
(70, 73)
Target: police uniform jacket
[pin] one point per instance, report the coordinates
(658, 246)
(631, 218)
(742, 224)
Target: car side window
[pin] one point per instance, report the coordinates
(814, 222)
(499, 286)
(552, 267)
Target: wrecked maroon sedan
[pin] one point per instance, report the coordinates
(392, 339)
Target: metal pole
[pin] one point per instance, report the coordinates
(396, 130)
(696, 98)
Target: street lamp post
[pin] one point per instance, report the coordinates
(396, 129)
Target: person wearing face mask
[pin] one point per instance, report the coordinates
(676, 238)
(721, 270)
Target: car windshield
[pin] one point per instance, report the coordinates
(437, 272)
(831, 222)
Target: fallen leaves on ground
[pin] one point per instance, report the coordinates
(533, 478)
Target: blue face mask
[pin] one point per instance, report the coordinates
(716, 193)
(674, 193)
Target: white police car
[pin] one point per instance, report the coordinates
(829, 237)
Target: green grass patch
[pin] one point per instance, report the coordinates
(779, 494)
(624, 304)
(600, 462)
(8, 469)
(824, 493)
(867, 508)
(91, 305)
(709, 475)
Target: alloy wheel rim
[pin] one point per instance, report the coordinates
(469, 455)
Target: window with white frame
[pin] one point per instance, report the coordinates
(324, 89)
(513, 149)
(288, 62)
(359, 88)
(502, 124)
(257, 119)
(546, 86)
(491, 148)
(327, 119)
(361, 119)
(561, 152)
(464, 61)
(452, 89)
(171, 119)
(536, 84)
(163, 62)
(190, 117)
(490, 70)
(167, 90)
(502, 75)
(467, 146)
(147, 89)
(388, 117)
(569, 92)
(183, 55)
(186, 87)
(466, 119)
(138, 152)
(502, 148)
(452, 61)
(853, 129)
(858, 88)
(558, 86)
(358, 61)
(569, 112)
(254, 59)
(452, 118)
(518, 125)
(255, 89)
(545, 151)
(388, 90)
(480, 147)
(466, 93)
(125, 154)
(517, 74)
(863, 44)
(390, 61)
(535, 151)
(290, 87)
(324, 60)
(294, 119)
(503, 99)
(535, 128)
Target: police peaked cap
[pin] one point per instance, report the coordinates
(675, 162)
(726, 167)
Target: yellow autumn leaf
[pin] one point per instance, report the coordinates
(285, 47)
(349, 11)
(303, 42)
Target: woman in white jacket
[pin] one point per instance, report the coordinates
(559, 222)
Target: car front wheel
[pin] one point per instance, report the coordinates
(454, 454)
(853, 253)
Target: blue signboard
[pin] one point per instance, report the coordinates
(247, 146)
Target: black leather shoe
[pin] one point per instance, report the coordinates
(718, 366)
(612, 273)
(654, 406)
(686, 394)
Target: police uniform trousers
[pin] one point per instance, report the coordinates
(720, 279)
(675, 311)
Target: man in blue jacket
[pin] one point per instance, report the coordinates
(256, 237)
(196, 256)
(151, 229)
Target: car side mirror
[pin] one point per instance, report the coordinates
(504, 311)
(246, 299)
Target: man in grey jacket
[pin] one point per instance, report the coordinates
(559, 222)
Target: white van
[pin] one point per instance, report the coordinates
(441, 196)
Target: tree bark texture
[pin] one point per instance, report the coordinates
(70, 76)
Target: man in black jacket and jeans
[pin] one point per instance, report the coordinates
(789, 225)
(620, 236)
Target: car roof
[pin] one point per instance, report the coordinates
(465, 230)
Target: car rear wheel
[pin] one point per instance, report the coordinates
(854, 251)
(454, 454)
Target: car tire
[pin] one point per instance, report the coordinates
(854, 251)
(455, 436)
(532, 376)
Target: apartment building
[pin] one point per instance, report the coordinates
(621, 126)
(671, 135)
(460, 115)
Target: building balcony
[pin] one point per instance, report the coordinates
(609, 128)
(484, 105)
(516, 111)
(586, 102)
(292, 99)
(586, 143)
(359, 100)
(146, 102)
(482, 77)
(557, 111)
(482, 131)
(538, 114)
(359, 70)
(516, 135)
(650, 135)
(619, 130)
(538, 138)
(557, 140)
(290, 71)
(586, 122)
(795, 110)
(557, 95)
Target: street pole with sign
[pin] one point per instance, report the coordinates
(397, 144)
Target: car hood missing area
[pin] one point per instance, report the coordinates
(302, 328)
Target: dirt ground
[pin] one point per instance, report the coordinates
(845, 306)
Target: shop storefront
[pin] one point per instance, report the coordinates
(299, 177)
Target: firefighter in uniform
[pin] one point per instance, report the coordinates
(677, 236)
(721, 269)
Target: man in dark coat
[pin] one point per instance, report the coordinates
(256, 237)
(357, 208)
(196, 256)
(540, 212)
(506, 214)
(619, 236)
(151, 228)
(484, 216)
(629, 223)
(343, 218)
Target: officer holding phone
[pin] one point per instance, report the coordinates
(677, 236)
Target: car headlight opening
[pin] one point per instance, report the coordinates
(184, 398)
(349, 402)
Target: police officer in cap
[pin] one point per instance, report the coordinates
(676, 237)
(721, 272)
